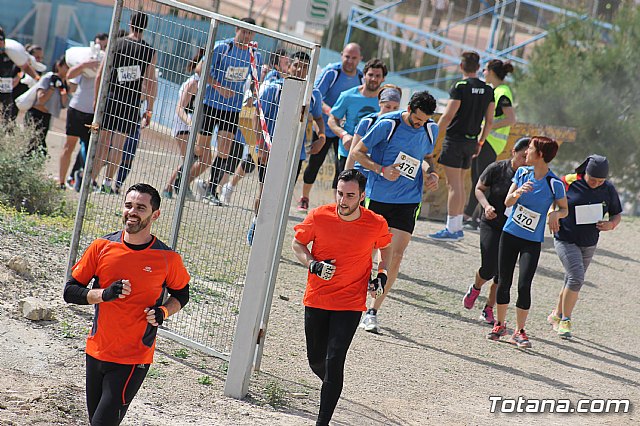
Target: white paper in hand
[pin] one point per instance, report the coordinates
(588, 214)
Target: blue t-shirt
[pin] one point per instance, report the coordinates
(528, 217)
(315, 109)
(352, 106)
(579, 193)
(361, 129)
(230, 66)
(389, 136)
(331, 82)
(270, 103)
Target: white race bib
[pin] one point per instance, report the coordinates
(409, 166)
(526, 218)
(129, 74)
(236, 73)
(6, 85)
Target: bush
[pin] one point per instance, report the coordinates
(23, 182)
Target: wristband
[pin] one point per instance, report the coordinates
(164, 310)
(321, 134)
(343, 135)
(381, 171)
(480, 143)
(382, 271)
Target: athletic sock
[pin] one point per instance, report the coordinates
(106, 182)
(474, 286)
(450, 223)
(458, 223)
(372, 311)
(565, 318)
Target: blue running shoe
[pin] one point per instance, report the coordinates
(460, 235)
(445, 235)
(251, 231)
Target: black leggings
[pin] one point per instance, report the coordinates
(529, 251)
(489, 248)
(40, 121)
(316, 160)
(486, 156)
(110, 389)
(329, 335)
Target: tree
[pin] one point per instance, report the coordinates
(584, 76)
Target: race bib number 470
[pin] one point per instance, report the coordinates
(129, 74)
(526, 218)
(408, 166)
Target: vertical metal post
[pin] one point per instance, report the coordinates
(347, 35)
(466, 23)
(514, 23)
(93, 140)
(265, 252)
(281, 15)
(298, 147)
(196, 121)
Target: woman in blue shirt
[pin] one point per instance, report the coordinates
(590, 196)
(534, 189)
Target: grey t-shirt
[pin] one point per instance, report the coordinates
(82, 99)
(54, 104)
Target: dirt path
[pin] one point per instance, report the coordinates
(431, 365)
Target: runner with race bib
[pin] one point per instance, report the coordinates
(534, 189)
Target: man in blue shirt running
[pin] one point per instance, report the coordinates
(333, 80)
(354, 104)
(398, 150)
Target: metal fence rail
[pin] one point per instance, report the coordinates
(212, 239)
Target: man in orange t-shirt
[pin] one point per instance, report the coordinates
(343, 236)
(131, 271)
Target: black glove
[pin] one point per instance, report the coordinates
(159, 313)
(56, 82)
(324, 269)
(378, 283)
(112, 292)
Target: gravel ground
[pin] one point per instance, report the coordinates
(431, 364)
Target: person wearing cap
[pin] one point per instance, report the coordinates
(491, 191)
(590, 197)
(388, 101)
(9, 79)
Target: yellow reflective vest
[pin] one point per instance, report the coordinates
(498, 137)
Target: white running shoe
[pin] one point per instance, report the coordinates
(225, 194)
(370, 323)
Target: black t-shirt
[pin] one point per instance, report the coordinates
(130, 64)
(502, 103)
(8, 70)
(580, 193)
(475, 96)
(497, 177)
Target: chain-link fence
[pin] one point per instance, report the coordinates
(179, 108)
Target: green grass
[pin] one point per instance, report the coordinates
(205, 380)
(275, 394)
(181, 353)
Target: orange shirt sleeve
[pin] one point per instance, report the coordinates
(384, 236)
(178, 277)
(85, 269)
(304, 232)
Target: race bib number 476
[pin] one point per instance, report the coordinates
(408, 166)
(6, 85)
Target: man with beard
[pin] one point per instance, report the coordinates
(131, 270)
(398, 149)
(338, 279)
(353, 104)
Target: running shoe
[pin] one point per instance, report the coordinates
(469, 299)
(303, 204)
(487, 315)
(445, 235)
(470, 225)
(497, 331)
(225, 194)
(564, 329)
(167, 194)
(554, 320)
(77, 180)
(211, 199)
(460, 235)
(520, 339)
(106, 189)
(189, 196)
(251, 232)
(370, 323)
